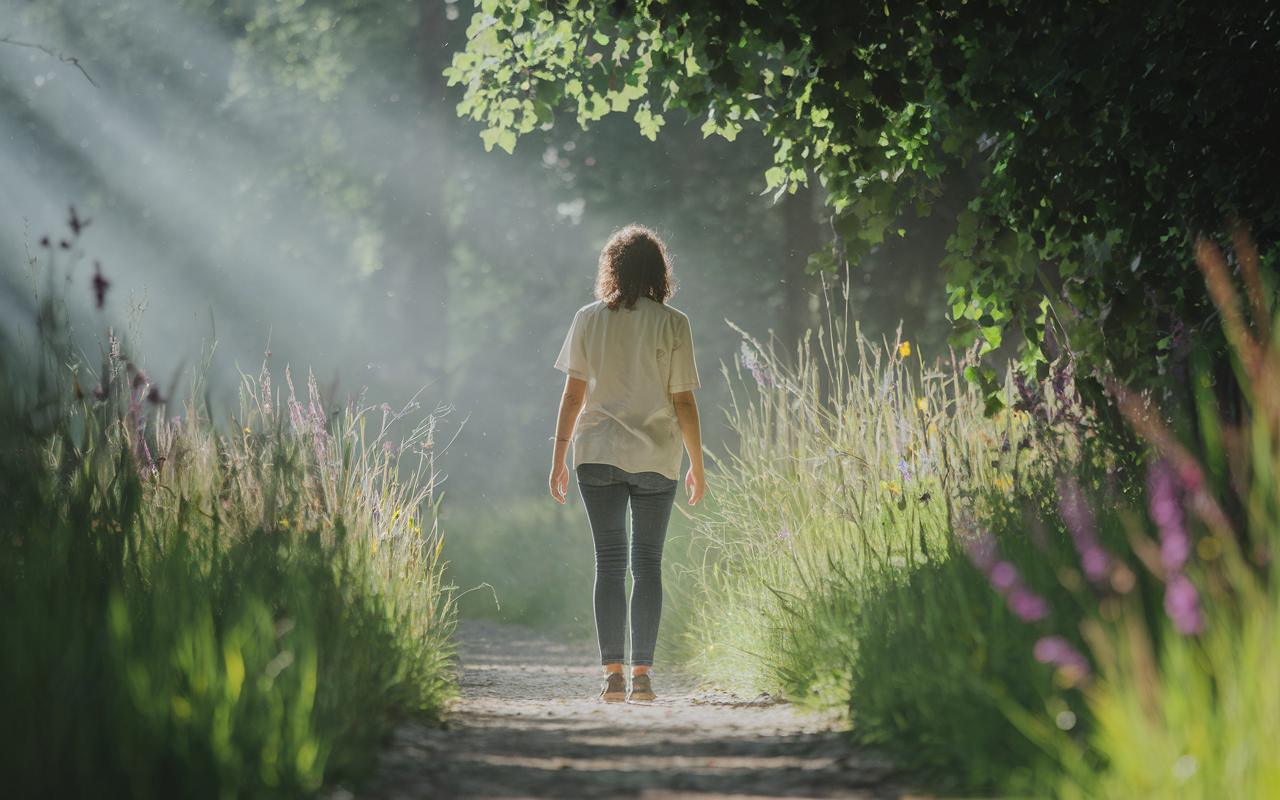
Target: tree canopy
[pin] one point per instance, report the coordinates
(1104, 134)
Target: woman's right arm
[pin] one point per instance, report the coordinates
(575, 391)
(695, 482)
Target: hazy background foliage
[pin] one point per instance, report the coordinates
(294, 177)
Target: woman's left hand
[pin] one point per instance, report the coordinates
(559, 481)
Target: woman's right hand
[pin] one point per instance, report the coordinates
(695, 483)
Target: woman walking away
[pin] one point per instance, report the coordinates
(629, 394)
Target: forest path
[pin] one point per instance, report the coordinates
(528, 726)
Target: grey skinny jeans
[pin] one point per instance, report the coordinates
(606, 490)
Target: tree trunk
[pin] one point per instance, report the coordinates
(801, 292)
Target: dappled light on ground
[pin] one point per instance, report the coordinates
(528, 725)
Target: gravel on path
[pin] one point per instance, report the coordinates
(527, 725)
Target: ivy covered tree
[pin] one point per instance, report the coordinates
(1103, 135)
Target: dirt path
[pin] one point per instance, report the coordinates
(528, 726)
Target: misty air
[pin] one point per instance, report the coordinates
(651, 398)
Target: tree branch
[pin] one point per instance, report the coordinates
(56, 54)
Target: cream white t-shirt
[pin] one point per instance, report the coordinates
(633, 361)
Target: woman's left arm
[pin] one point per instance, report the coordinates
(575, 391)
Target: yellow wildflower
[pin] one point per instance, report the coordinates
(904, 349)
(922, 404)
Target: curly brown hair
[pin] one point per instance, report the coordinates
(633, 265)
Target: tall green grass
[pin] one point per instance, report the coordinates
(848, 464)
(1056, 619)
(195, 611)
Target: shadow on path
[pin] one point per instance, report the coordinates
(528, 726)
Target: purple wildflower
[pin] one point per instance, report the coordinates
(1182, 604)
(1166, 511)
(76, 223)
(141, 452)
(752, 362)
(1166, 487)
(982, 549)
(317, 405)
(1078, 518)
(984, 552)
(1028, 607)
(904, 470)
(1003, 576)
(1058, 651)
(100, 285)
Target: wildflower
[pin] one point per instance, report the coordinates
(751, 361)
(1003, 576)
(1058, 651)
(1166, 511)
(100, 285)
(1027, 606)
(76, 223)
(981, 548)
(904, 349)
(1078, 518)
(1182, 604)
(983, 551)
(904, 470)
(784, 533)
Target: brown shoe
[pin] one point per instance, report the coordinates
(614, 689)
(641, 690)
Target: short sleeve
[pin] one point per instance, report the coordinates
(573, 354)
(684, 372)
